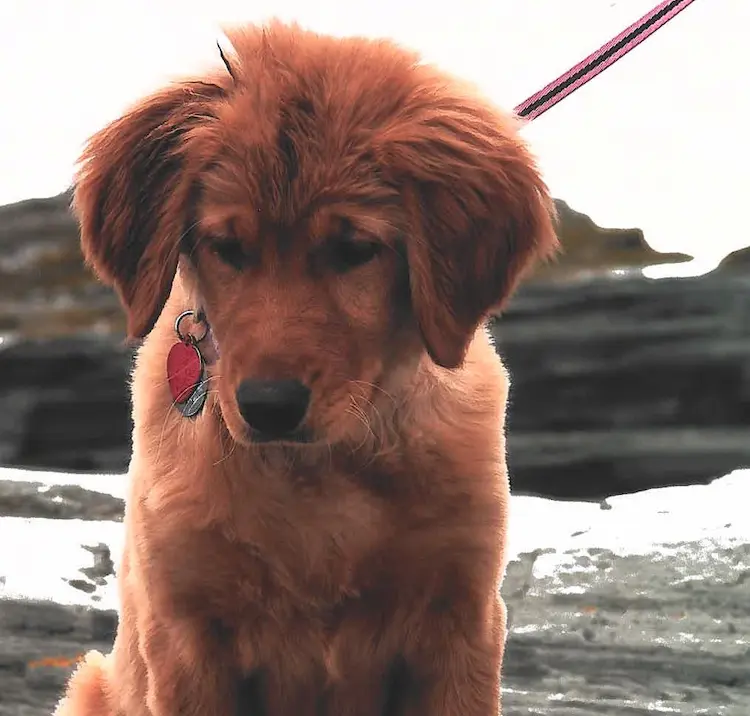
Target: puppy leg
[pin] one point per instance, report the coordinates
(364, 670)
(189, 672)
(86, 692)
(457, 671)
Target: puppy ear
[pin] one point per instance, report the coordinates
(479, 215)
(131, 191)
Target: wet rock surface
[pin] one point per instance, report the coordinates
(62, 502)
(637, 608)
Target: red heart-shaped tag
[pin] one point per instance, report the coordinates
(184, 369)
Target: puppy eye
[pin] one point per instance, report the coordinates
(347, 254)
(229, 251)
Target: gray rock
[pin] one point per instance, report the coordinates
(593, 250)
(65, 404)
(624, 384)
(617, 385)
(45, 290)
(34, 499)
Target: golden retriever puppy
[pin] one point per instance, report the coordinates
(310, 241)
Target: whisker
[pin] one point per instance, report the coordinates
(374, 387)
(227, 455)
(356, 411)
(376, 413)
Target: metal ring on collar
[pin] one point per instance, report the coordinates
(198, 317)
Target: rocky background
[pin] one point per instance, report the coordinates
(620, 383)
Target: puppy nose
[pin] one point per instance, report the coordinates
(273, 407)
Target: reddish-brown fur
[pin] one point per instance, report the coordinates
(358, 574)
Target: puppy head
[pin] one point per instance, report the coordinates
(339, 207)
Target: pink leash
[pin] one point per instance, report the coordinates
(598, 61)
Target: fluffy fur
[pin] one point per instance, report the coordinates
(347, 217)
